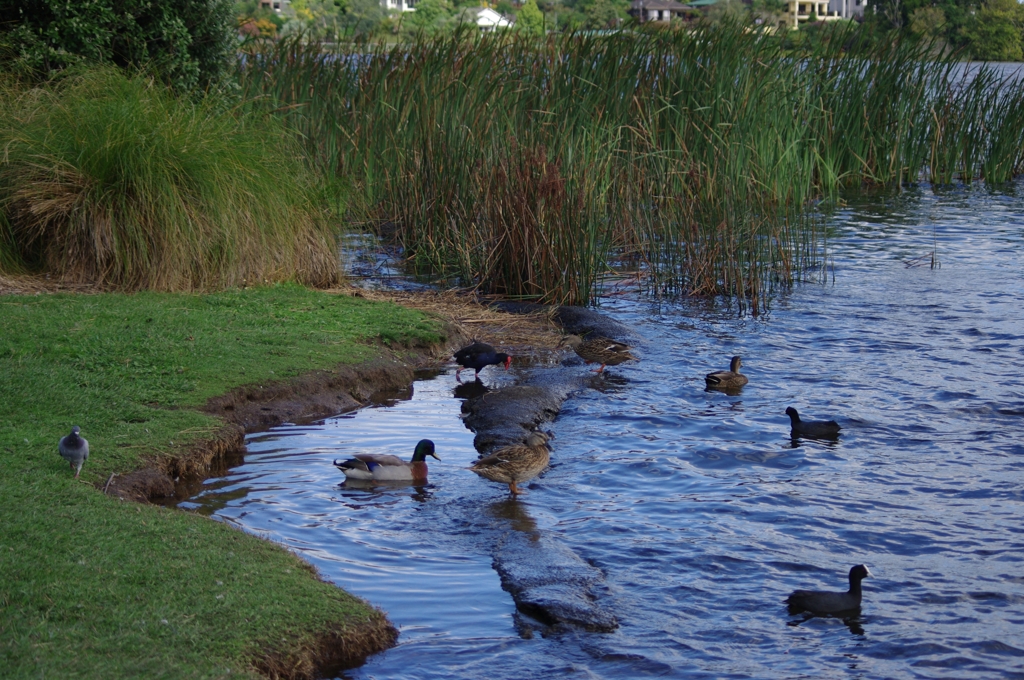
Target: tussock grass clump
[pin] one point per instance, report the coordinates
(113, 180)
(689, 158)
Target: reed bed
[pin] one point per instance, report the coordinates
(112, 180)
(530, 168)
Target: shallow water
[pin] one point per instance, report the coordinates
(700, 510)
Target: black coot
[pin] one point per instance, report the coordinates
(826, 602)
(813, 429)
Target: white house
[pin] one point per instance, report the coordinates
(803, 10)
(399, 5)
(489, 20)
(848, 9)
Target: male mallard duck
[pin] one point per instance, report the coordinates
(724, 380)
(825, 602)
(812, 429)
(598, 350)
(515, 464)
(387, 468)
(478, 355)
(74, 449)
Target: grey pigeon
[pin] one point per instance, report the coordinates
(74, 449)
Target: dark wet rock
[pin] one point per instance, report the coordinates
(584, 321)
(505, 416)
(551, 583)
(576, 320)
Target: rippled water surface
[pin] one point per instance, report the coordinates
(698, 508)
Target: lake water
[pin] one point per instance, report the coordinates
(699, 509)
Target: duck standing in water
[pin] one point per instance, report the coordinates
(477, 356)
(819, 429)
(74, 449)
(830, 603)
(727, 380)
(598, 350)
(516, 464)
(387, 468)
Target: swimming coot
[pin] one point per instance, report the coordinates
(825, 602)
(813, 429)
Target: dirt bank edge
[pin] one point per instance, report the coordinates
(259, 407)
(251, 408)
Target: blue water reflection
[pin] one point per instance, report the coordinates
(698, 507)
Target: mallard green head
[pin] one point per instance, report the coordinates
(423, 449)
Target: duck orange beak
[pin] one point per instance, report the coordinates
(508, 362)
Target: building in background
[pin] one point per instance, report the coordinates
(274, 5)
(657, 10)
(848, 9)
(399, 5)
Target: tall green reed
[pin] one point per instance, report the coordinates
(532, 167)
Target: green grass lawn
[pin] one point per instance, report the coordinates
(91, 586)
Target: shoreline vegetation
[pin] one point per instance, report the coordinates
(93, 586)
(696, 162)
(693, 162)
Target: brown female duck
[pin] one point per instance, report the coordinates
(727, 380)
(515, 464)
(598, 350)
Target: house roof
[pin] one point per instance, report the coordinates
(485, 17)
(488, 17)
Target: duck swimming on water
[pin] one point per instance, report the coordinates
(388, 468)
(724, 380)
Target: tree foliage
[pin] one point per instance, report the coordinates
(993, 33)
(187, 42)
(530, 18)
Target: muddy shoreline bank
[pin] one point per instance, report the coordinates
(554, 600)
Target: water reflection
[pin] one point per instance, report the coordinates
(470, 390)
(607, 383)
(385, 489)
(853, 621)
(731, 391)
(515, 513)
(699, 509)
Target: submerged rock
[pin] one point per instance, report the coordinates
(551, 583)
(548, 581)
